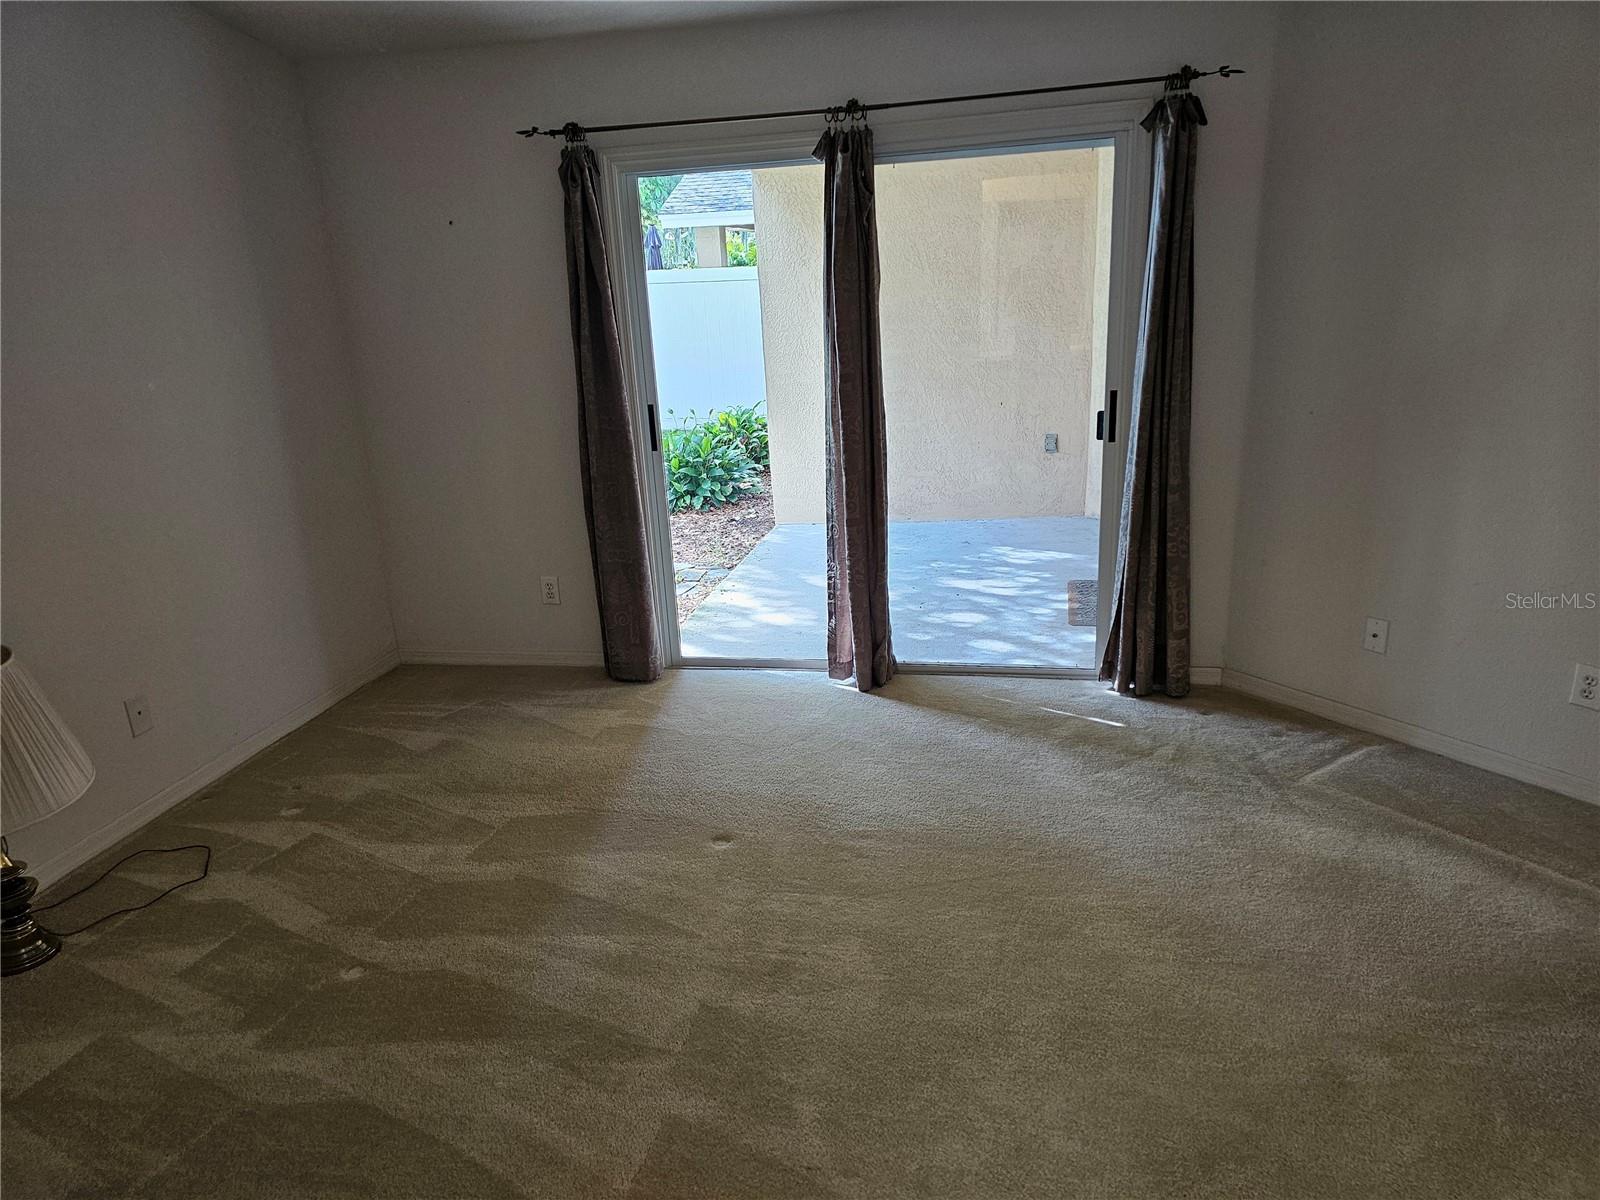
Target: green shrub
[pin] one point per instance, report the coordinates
(704, 471)
(745, 427)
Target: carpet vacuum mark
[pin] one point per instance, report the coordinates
(482, 932)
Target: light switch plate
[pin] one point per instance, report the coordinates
(1051, 444)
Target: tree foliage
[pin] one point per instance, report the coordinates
(653, 193)
(677, 245)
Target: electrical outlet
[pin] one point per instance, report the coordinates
(550, 589)
(1585, 687)
(139, 719)
(1051, 443)
(1377, 639)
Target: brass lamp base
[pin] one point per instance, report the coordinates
(23, 943)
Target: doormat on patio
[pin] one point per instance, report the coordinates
(1083, 602)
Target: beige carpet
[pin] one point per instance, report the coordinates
(495, 933)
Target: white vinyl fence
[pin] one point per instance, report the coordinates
(706, 326)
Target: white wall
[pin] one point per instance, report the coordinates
(448, 228)
(705, 327)
(1424, 431)
(187, 511)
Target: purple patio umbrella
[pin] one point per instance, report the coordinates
(652, 249)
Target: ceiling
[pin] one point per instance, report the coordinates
(329, 28)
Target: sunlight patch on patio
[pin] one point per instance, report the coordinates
(988, 592)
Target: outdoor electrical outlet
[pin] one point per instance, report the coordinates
(1050, 443)
(1377, 639)
(551, 589)
(1586, 687)
(139, 719)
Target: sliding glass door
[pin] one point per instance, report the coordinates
(733, 283)
(995, 304)
(1004, 280)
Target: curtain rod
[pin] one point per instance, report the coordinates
(573, 132)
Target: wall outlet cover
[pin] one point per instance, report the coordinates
(1585, 687)
(1051, 443)
(139, 719)
(1377, 636)
(550, 589)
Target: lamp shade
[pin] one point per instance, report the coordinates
(42, 767)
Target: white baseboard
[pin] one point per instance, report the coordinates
(1205, 676)
(1459, 749)
(203, 776)
(420, 656)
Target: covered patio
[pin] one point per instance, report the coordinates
(989, 592)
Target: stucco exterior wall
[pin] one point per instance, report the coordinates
(788, 204)
(995, 276)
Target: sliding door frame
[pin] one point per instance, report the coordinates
(626, 158)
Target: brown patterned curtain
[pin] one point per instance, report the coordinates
(611, 496)
(857, 462)
(1148, 646)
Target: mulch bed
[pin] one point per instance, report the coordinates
(720, 537)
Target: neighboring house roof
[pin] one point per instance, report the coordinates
(711, 198)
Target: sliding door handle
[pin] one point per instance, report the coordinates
(1105, 421)
(655, 434)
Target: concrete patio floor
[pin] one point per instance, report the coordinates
(985, 592)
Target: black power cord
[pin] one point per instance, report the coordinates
(205, 870)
